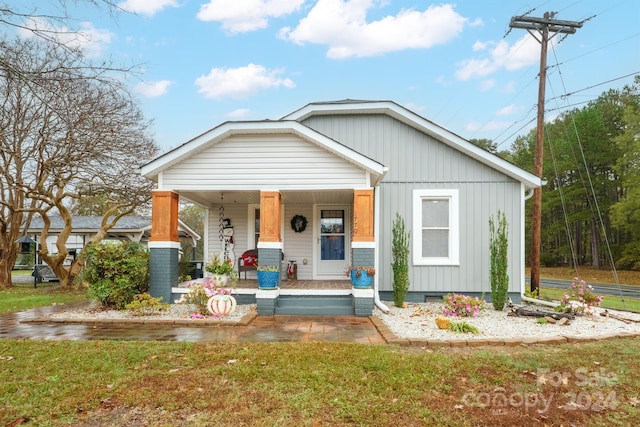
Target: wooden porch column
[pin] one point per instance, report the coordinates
(270, 214)
(164, 244)
(363, 216)
(164, 217)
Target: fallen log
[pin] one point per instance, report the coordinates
(620, 318)
(525, 312)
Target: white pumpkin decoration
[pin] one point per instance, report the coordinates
(221, 305)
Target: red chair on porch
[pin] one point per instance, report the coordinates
(248, 262)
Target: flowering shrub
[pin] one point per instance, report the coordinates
(580, 300)
(462, 305)
(199, 294)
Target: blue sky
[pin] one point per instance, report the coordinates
(204, 62)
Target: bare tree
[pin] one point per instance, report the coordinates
(52, 22)
(64, 135)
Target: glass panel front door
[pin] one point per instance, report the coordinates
(333, 236)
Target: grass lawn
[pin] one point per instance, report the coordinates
(23, 296)
(608, 301)
(592, 276)
(118, 383)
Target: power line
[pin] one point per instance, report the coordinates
(568, 94)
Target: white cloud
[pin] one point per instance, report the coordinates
(241, 16)
(239, 113)
(153, 89)
(523, 53)
(147, 7)
(87, 38)
(240, 82)
(343, 26)
(508, 110)
(414, 107)
(510, 87)
(478, 45)
(490, 126)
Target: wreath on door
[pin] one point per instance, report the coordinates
(298, 223)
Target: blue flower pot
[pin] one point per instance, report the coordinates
(268, 279)
(364, 281)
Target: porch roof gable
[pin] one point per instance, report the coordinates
(218, 134)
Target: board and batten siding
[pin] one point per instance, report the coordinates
(418, 161)
(266, 161)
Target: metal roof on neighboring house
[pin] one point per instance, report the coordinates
(91, 224)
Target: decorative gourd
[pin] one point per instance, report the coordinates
(221, 305)
(442, 322)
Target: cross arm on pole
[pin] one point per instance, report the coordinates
(553, 25)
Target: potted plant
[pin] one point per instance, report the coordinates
(268, 276)
(220, 270)
(361, 276)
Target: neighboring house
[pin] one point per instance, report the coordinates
(347, 168)
(133, 228)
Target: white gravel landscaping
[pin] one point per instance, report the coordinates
(417, 322)
(175, 312)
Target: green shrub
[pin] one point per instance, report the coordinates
(185, 269)
(115, 272)
(499, 245)
(463, 328)
(146, 305)
(400, 265)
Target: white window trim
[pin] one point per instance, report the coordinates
(251, 225)
(454, 224)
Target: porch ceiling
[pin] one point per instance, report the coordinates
(208, 198)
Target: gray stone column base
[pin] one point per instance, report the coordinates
(266, 300)
(362, 302)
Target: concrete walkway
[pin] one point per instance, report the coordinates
(26, 324)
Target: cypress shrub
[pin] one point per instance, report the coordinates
(499, 245)
(400, 265)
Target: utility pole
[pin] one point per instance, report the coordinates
(542, 29)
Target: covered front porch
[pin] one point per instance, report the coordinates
(339, 233)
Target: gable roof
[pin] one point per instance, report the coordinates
(153, 169)
(418, 122)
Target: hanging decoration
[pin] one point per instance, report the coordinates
(225, 234)
(221, 218)
(298, 223)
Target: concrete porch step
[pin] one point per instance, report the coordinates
(327, 305)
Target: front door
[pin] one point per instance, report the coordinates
(332, 236)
